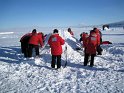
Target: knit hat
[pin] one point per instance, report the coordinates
(55, 31)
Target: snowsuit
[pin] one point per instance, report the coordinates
(99, 49)
(55, 42)
(34, 42)
(24, 44)
(91, 47)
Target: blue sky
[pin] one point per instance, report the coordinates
(48, 13)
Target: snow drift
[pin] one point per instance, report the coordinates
(20, 75)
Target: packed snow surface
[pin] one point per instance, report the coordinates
(21, 75)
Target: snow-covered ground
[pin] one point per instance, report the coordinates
(20, 75)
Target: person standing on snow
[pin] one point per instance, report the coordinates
(24, 44)
(99, 34)
(69, 30)
(56, 42)
(34, 42)
(83, 38)
(91, 48)
(41, 34)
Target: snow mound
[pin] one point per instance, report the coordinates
(107, 29)
(24, 75)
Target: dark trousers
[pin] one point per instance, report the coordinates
(22, 47)
(99, 50)
(36, 47)
(86, 57)
(25, 49)
(56, 58)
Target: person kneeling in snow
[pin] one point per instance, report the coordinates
(91, 48)
(55, 42)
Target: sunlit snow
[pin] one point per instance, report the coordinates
(24, 75)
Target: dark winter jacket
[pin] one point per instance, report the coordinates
(25, 38)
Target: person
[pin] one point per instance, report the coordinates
(99, 34)
(24, 44)
(70, 31)
(91, 47)
(41, 34)
(83, 38)
(55, 41)
(34, 42)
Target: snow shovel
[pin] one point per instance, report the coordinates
(66, 57)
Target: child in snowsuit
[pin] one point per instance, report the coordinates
(56, 42)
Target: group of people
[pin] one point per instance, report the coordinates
(91, 44)
(31, 41)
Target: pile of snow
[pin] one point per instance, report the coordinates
(20, 75)
(107, 29)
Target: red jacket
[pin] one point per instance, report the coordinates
(41, 35)
(99, 36)
(55, 42)
(92, 42)
(36, 39)
(84, 37)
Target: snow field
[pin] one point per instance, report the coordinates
(20, 75)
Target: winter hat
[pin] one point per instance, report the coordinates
(69, 29)
(55, 31)
(34, 31)
(92, 33)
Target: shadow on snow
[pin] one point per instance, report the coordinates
(11, 54)
(74, 65)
